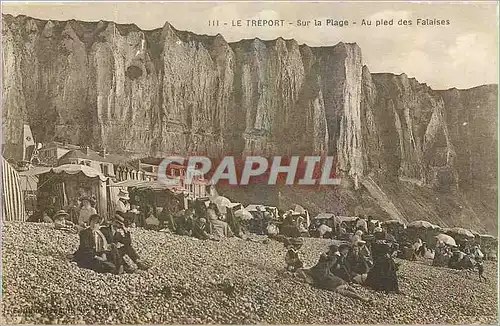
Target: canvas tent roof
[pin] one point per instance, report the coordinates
(68, 169)
(144, 184)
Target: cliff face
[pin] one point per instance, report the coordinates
(163, 91)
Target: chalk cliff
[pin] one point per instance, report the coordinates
(398, 144)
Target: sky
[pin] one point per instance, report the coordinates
(462, 54)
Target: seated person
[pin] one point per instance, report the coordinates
(357, 236)
(456, 257)
(301, 225)
(183, 222)
(94, 250)
(151, 222)
(342, 268)
(199, 229)
(116, 233)
(321, 276)
(359, 261)
(40, 217)
(324, 231)
(218, 228)
(60, 222)
(292, 258)
(383, 277)
(272, 229)
(133, 216)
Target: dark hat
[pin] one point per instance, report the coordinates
(95, 217)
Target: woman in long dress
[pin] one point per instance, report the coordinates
(94, 251)
(382, 277)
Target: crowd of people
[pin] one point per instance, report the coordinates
(363, 254)
(369, 263)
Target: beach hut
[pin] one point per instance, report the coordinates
(13, 208)
(59, 185)
(150, 192)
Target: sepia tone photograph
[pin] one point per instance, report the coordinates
(203, 162)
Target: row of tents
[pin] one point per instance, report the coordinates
(57, 186)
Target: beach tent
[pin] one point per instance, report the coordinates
(12, 197)
(59, 185)
(158, 192)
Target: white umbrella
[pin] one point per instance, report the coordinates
(324, 216)
(222, 202)
(422, 224)
(461, 231)
(446, 239)
(243, 214)
(253, 208)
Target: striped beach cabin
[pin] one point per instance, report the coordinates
(12, 197)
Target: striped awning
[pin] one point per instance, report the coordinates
(12, 199)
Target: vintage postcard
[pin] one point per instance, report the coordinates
(249, 162)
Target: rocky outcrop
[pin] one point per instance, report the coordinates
(471, 117)
(166, 91)
(406, 132)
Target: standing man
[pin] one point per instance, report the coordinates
(122, 205)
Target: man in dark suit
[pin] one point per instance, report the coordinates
(94, 251)
(117, 234)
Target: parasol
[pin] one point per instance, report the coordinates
(243, 214)
(324, 216)
(446, 239)
(422, 224)
(475, 233)
(222, 202)
(461, 231)
(253, 208)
